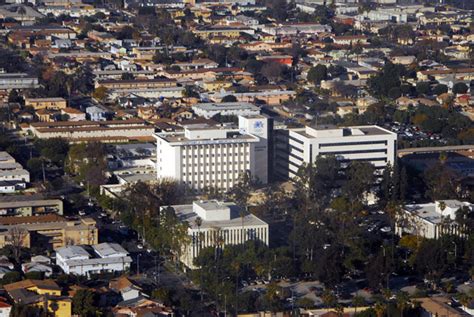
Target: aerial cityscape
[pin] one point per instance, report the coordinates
(252, 158)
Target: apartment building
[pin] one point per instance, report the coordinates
(295, 147)
(105, 131)
(13, 176)
(136, 83)
(48, 231)
(204, 156)
(46, 103)
(99, 258)
(210, 109)
(220, 224)
(17, 81)
(29, 206)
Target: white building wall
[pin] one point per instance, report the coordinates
(378, 149)
(204, 238)
(203, 162)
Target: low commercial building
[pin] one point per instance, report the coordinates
(99, 258)
(47, 231)
(220, 224)
(210, 109)
(29, 206)
(206, 156)
(431, 220)
(296, 147)
(104, 131)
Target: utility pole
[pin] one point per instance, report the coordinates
(44, 174)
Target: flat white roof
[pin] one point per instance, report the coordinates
(186, 213)
(73, 251)
(106, 249)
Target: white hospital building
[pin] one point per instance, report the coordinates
(204, 156)
(295, 147)
(221, 225)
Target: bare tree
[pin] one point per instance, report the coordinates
(17, 239)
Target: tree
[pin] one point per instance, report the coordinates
(441, 182)
(387, 79)
(229, 98)
(17, 238)
(440, 89)
(88, 162)
(127, 76)
(317, 73)
(358, 301)
(240, 192)
(100, 93)
(11, 277)
(460, 88)
(35, 167)
(83, 303)
(273, 71)
(423, 88)
(54, 150)
(360, 179)
(403, 300)
(14, 96)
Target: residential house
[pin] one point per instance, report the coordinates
(98, 113)
(73, 114)
(45, 294)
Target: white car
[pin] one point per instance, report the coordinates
(82, 213)
(385, 229)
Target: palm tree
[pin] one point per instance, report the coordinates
(243, 213)
(198, 223)
(357, 301)
(403, 300)
(380, 309)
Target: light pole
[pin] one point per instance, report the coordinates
(225, 305)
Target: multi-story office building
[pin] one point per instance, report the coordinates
(218, 224)
(204, 156)
(295, 147)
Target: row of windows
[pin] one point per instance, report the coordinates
(353, 152)
(213, 164)
(190, 156)
(352, 143)
(210, 172)
(295, 139)
(214, 146)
